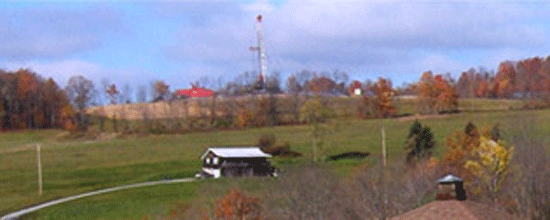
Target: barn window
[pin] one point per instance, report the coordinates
(207, 160)
(215, 161)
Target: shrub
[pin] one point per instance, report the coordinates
(244, 117)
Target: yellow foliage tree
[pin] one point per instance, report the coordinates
(491, 164)
(316, 113)
(68, 116)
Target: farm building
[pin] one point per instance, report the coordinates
(235, 161)
(450, 187)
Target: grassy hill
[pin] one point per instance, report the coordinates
(72, 167)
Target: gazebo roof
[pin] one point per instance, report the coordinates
(236, 152)
(449, 179)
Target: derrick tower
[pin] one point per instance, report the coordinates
(261, 53)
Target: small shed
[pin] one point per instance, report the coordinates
(450, 187)
(235, 161)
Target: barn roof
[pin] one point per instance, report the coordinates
(236, 152)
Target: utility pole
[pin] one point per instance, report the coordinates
(39, 162)
(384, 147)
(384, 196)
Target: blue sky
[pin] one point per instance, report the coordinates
(133, 43)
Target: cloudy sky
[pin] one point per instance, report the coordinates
(182, 41)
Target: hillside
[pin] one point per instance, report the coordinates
(344, 106)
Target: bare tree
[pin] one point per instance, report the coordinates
(303, 77)
(293, 88)
(141, 95)
(529, 189)
(105, 83)
(125, 96)
(307, 193)
(80, 91)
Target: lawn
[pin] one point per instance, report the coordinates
(72, 167)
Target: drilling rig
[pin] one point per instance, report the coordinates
(260, 85)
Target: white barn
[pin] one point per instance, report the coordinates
(235, 161)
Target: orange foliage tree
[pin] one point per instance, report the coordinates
(383, 93)
(436, 94)
(29, 101)
(505, 77)
(377, 100)
(459, 149)
(321, 84)
(236, 205)
(112, 93)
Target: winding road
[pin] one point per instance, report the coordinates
(15, 215)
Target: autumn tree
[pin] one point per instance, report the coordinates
(80, 91)
(315, 113)
(436, 94)
(383, 94)
(54, 99)
(29, 101)
(238, 206)
(377, 100)
(447, 98)
(506, 79)
(112, 93)
(459, 149)
(491, 164)
(420, 142)
(159, 91)
(321, 85)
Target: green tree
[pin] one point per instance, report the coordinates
(316, 113)
(420, 142)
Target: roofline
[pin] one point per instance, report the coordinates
(234, 146)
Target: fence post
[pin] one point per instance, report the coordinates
(39, 164)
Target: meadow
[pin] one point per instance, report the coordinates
(76, 166)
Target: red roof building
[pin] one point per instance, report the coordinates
(195, 92)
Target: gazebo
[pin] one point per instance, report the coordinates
(450, 187)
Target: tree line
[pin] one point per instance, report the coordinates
(30, 101)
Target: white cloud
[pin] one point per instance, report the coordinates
(53, 32)
(262, 6)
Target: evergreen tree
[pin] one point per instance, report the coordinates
(420, 142)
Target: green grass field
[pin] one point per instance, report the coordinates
(72, 167)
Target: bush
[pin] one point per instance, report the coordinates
(266, 142)
(244, 117)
